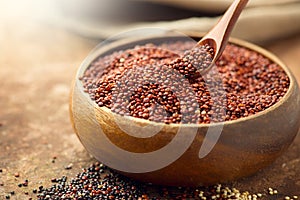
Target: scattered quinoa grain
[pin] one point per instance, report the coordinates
(259, 194)
(93, 184)
(69, 166)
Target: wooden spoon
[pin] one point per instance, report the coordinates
(218, 36)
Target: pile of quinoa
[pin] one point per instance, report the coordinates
(97, 181)
(163, 83)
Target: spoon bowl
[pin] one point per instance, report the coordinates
(171, 155)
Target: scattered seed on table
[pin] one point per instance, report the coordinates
(54, 180)
(69, 166)
(25, 183)
(53, 159)
(90, 184)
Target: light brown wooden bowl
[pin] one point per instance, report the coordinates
(245, 145)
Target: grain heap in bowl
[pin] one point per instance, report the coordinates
(140, 82)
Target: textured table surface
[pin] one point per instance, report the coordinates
(37, 64)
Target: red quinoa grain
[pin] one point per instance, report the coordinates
(156, 83)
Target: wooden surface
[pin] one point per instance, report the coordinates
(37, 64)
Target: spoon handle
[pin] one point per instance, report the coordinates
(221, 31)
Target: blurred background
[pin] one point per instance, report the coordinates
(262, 21)
(42, 42)
(259, 22)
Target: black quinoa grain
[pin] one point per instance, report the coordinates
(54, 159)
(92, 184)
(25, 183)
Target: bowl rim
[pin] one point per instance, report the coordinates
(96, 52)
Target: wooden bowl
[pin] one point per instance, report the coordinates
(171, 156)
